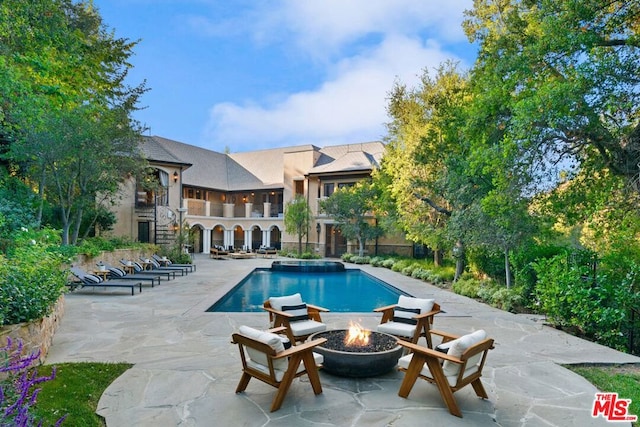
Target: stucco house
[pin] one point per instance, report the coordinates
(237, 200)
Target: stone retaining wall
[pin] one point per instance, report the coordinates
(36, 335)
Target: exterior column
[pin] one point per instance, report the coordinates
(266, 238)
(247, 239)
(228, 238)
(206, 240)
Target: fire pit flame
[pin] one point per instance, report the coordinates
(357, 335)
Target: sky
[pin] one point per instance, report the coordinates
(254, 74)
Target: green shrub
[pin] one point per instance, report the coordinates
(360, 259)
(377, 261)
(388, 263)
(400, 265)
(32, 279)
(468, 287)
(570, 296)
(346, 257)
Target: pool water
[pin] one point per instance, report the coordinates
(350, 291)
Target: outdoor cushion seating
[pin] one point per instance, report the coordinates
(463, 363)
(155, 266)
(300, 319)
(116, 273)
(169, 263)
(87, 279)
(267, 251)
(409, 319)
(264, 357)
(138, 269)
(217, 252)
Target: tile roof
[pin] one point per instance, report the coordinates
(254, 170)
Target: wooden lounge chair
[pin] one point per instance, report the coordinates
(461, 365)
(409, 319)
(265, 358)
(217, 252)
(299, 319)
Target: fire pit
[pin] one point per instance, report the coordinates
(356, 352)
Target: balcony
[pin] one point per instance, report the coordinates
(203, 208)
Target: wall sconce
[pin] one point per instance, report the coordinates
(175, 227)
(318, 228)
(175, 176)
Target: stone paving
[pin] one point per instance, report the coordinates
(186, 370)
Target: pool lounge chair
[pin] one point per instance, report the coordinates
(119, 274)
(155, 266)
(169, 263)
(86, 279)
(137, 268)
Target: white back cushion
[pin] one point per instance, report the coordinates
(278, 302)
(425, 305)
(458, 346)
(271, 339)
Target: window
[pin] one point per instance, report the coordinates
(299, 187)
(328, 189)
(346, 184)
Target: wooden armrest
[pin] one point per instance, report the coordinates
(277, 330)
(277, 312)
(446, 335)
(306, 346)
(429, 352)
(387, 308)
(427, 314)
(317, 308)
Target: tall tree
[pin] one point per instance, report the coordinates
(65, 117)
(423, 168)
(297, 218)
(558, 84)
(352, 208)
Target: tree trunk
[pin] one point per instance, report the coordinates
(437, 257)
(360, 247)
(507, 268)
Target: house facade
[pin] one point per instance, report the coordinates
(237, 200)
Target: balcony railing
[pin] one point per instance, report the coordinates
(203, 208)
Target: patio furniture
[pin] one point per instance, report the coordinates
(86, 279)
(217, 252)
(409, 319)
(133, 267)
(461, 365)
(166, 262)
(300, 319)
(264, 357)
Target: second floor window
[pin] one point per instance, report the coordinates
(328, 189)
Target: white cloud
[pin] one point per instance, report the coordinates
(349, 107)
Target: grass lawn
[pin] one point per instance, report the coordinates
(623, 379)
(75, 392)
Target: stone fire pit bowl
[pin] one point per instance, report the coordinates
(379, 357)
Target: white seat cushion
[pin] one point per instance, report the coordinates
(404, 361)
(397, 329)
(279, 373)
(306, 327)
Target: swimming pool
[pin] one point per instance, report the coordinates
(350, 291)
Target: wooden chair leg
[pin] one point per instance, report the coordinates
(479, 389)
(244, 382)
(312, 372)
(294, 362)
(411, 375)
(443, 387)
